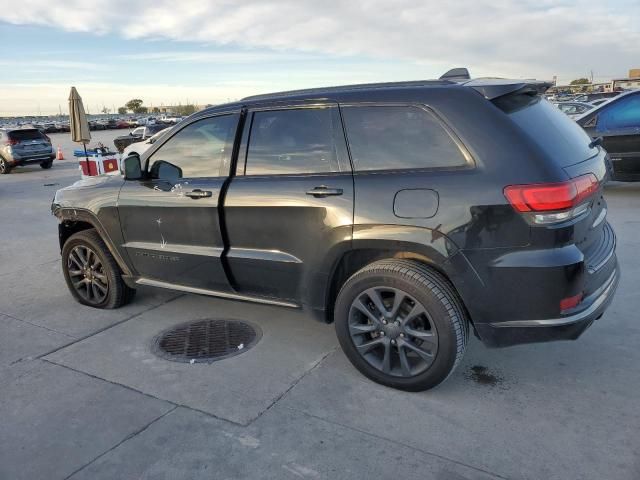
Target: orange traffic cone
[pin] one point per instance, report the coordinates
(59, 155)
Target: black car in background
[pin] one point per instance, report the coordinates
(24, 146)
(618, 123)
(138, 134)
(410, 214)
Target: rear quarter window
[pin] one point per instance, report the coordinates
(399, 137)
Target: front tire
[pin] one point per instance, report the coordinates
(401, 324)
(92, 274)
(5, 168)
(46, 164)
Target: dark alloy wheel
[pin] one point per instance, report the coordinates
(393, 331)
(402, 324)
(92, 274)
(87, 274)
(4, 166)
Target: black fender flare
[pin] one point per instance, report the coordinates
(68, 214)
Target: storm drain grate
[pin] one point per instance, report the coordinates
(206, 340)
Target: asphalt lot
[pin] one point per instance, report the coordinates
(82, 396)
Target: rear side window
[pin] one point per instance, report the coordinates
(293, 141)
(624, 113)
(399, 137)
(31, 134)
(560, 137)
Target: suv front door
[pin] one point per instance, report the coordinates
(289, 209)
(170, 219)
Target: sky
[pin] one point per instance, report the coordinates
(208, 52)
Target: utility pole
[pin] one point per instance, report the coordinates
(591, 75)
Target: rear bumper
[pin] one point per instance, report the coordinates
(566, 327)
(17, 160)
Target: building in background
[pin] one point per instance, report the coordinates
(630, 83)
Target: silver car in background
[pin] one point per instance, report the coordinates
(23, 146)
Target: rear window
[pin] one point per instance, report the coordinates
(31, 134)
(559, 136)
(398, 137)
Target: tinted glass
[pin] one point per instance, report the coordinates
(151, 129)
(293, 141)
(203, 149)
(30, 134)
(624, 113)
(398, 137)
(559, 136)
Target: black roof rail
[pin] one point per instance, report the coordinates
(347, 88)
(456, 74)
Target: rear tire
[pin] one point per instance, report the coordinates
(5, 168)
(47, 164)
(401, 324)
(92, 274)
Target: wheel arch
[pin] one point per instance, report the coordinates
(72, 221)
(361, 255)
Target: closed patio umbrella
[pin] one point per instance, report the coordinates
(78, 120)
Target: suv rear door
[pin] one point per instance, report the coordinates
(170, 219)
(290, 206)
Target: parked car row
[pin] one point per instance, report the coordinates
(58, 126)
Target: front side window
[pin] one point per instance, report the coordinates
(625, 113)
(398, 137)
(293, 141)
(202, 149)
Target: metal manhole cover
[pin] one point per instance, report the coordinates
(205, 341)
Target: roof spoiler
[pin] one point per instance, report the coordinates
(492, 88)
(456, 74)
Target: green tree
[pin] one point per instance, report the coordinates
(580, 81)
(122, 111)
(134, 104)
(141, 109)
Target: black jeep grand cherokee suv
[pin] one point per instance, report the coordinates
(407, 213)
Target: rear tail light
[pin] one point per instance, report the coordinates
(12, 141)
(570, 302)
(553, 202)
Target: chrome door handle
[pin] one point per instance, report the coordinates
(323, 191)
(197, 193)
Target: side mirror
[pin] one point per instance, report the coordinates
(131, 167)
